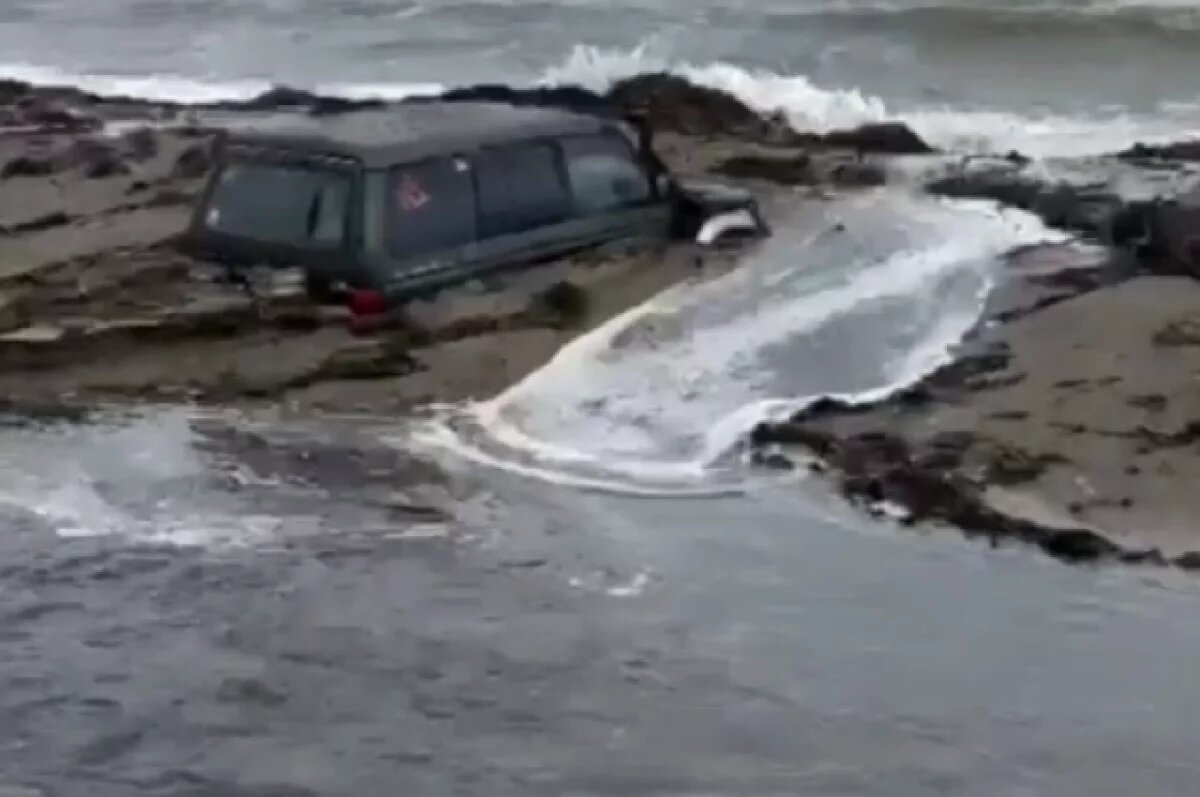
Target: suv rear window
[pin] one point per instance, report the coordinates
(278, 203)
(604, 174)
(520, 188)
(431, 206)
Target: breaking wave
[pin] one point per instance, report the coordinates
(858, 303)
(809, 106)
(812, 107)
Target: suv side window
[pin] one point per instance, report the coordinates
(292, 204)
(520, 188)
(604, 174)
(431, 206)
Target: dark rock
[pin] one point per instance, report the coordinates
(27, 166)
(671, 102)
(1181, 332)
(1154, 402)
(1005, 186)
(881, 446)
(572, 98)
(968, 366)
(13, 91)
(1009, 415)
(1188, 561)
(884, 138)
(938, 459)
(1084, 210)
(796, 170)
(1008, 466)
(564, 303)
(193, 163)
(330, 106)
(46, 222)
(918, 395)
(824, 407)
(791, 433)
(1177, 151)
(275, 99)
(879, 466)
(1153, 556)
(858, 175)
(958, 441)
(1077, 545)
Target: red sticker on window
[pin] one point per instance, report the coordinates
(412, 195)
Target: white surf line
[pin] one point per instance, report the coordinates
(489, 433)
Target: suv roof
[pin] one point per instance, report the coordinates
(417, 130)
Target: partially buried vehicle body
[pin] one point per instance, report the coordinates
(401, 202)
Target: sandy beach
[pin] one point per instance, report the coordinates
(1077, 421)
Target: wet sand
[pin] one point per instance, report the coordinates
(1069, 421)
(95, 305)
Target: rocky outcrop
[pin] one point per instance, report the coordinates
(884, 138)
(877, 468)
(1175, 151)
(1161, 231)
(1083, 209)
(664, 101)
(804, 168)
(944, 479)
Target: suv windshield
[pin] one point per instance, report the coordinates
(280, 203)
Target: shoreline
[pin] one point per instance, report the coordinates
(1053, 426)
(96, 308)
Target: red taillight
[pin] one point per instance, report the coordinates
(363, 302)
(367, 310)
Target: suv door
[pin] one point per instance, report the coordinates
(613, 195)
(539, 200)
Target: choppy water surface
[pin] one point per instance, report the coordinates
(547, 641)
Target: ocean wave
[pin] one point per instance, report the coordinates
(198, 90)
(1171, 23)
(815, 108)
(809, 106)
(1168, 14)
(655, 401)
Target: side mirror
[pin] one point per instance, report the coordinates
(729, 223)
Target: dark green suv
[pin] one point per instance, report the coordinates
(405, 201)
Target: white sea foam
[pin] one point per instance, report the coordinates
(808, 105)
(656, 400)
(816, 108)
(187, 89)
